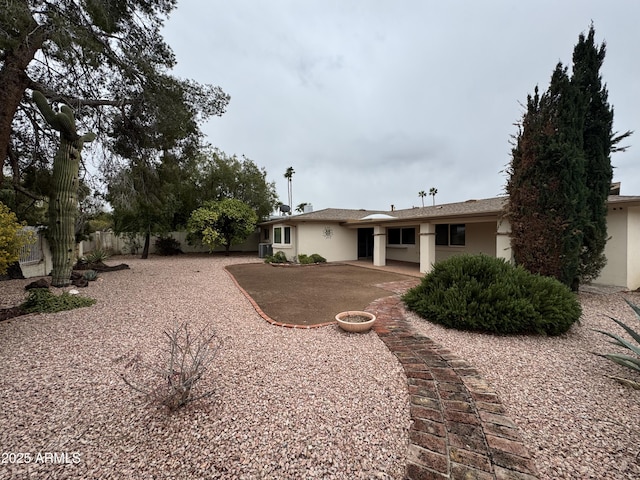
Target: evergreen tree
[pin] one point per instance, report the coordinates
(106, 60)
(560, 173)
(546, 186)
(598, 143)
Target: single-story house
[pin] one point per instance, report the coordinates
(425, 235)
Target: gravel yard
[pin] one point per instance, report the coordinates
(576, 422)
(288, 403)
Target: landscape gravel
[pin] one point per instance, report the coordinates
(287, 403)
(577, 422)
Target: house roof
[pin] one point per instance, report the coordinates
(325, 215)
(469, 208)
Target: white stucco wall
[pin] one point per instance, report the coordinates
(633, 248)
(615, 271)
(333, 242)
(405, 253)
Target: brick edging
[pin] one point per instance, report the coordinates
(267, 317)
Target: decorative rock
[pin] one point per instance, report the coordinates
(80, 282)
(41, 283)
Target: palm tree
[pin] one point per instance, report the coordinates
(288, 175)
(432, 192)
(422, 194)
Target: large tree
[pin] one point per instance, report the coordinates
(108, 61)
(560, 173)
(105, 59)
(599, 141)
(140, 206)
(225, 176)
(547, 183)
(159, 197)
(224, 223)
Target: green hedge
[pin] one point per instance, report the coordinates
(483, 293)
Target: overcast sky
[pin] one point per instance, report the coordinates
(373, 101)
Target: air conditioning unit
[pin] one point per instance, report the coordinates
(264, 250)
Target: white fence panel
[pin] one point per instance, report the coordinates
(32, 252)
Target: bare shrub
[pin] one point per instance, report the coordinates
(172, 378)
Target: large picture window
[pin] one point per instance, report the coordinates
(401, 236)
(282, 235)
(451, 235)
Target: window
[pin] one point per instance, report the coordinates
(265, 234)
(393, 236)
(408, 236)
(279, 233)
(442, 234)
(401, 236)
(451, 235)
(456, 235)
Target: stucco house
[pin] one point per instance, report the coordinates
(425, 235)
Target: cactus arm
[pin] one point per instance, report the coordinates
(66, 110)
(45, 109)
(63, 122)
(88, 137)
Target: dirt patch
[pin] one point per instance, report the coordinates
(313, 294)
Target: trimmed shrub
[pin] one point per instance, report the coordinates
(309, 259)
(487, 294)
(278, 257)
(316, 258)
(42, 300)
(166, 246)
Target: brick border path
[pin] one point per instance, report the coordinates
(459, 427)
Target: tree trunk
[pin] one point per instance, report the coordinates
(63, 209)
(147, 241)
(14, 79)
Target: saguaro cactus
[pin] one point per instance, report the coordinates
(63, 201)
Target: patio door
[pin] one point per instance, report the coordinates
(365, 243)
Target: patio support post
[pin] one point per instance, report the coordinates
(379, 246)
(427, 246)
(503, 240)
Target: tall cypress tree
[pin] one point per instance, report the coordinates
(560, 173)
(597, 144)
(546, 186)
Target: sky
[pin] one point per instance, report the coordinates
(373, 101)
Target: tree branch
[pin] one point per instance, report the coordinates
(17, 187)
(56, 97)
